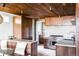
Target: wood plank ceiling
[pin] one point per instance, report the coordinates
(40, 10)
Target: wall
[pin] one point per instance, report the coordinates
(58, 30)
(6, 28)
(39, 29)
(64, 30)
(60, 26)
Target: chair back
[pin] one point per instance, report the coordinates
(20, 48)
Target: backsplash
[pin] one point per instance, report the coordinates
(58, 30)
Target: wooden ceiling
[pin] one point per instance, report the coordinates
(40, 10)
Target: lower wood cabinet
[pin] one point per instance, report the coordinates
(65, 51)
(45, 43)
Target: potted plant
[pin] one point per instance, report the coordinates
(11, 37)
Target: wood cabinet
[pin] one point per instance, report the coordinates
(53, 21)
(41, 39)
(65, 20)
(26, 28)
(65, 51)
(45, 43)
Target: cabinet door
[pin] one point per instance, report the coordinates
(61, 51)
(72, 51)
(47, 21)
(45, 43)
(68, 20)
(53, 21)
(65, 51)
(65, 20)
(56, 21)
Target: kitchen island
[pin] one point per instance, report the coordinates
(65, 48)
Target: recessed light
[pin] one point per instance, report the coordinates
(64, 4)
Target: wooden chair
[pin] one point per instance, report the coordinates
(20, 48)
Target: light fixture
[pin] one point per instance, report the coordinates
(21, 11)
(1, 19)
(2, 4)
(64, 4)
(50, 8)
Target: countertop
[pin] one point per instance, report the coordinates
(66, 43)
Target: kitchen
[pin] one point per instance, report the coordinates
(54, 26)
(58, 34)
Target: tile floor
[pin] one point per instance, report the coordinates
(45, 52)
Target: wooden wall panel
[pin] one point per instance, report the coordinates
(17, 30)
(26, 28)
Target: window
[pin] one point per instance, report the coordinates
(6, 19)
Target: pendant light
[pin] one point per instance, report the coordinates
(2, 4)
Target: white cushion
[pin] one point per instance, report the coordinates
(20, 48)
(1, 54)
(4, 44)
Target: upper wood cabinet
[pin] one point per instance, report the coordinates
(53, 21)
(66, 20)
